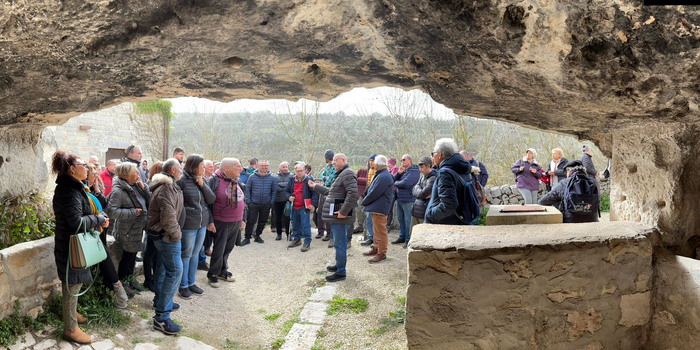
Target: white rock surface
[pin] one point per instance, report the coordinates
(313, 313)
(185, 343)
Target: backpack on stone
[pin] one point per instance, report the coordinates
(468, 210)
(581, 198)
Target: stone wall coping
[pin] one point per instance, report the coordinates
(429, 237)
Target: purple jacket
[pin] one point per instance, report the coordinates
(526, 179)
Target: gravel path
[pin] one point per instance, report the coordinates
(274, 282)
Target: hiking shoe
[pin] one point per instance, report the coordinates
(319, 235)
(335, 277)
(332, 268)
(327, 237)
(245, 242)
(137, 287)
(295, 243)
(214, 282)
(305, 248)
(76, 335)
(184, 293)
(258, 239)
(331, 244)
(367, 242)
(228, 277)
(196, 290)
(399, 241)
(374, 251)
(405, 245)
(168, 326)
(129, 292)
(203, 267)
(377, 258)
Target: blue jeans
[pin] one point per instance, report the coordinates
(167, 277)
(340, 237)
(370, 228)
(301, 226)
(403, 213)
(192, 241)
(202, 256)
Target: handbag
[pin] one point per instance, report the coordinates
(85, 249)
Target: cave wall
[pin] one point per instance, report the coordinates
(23, 166)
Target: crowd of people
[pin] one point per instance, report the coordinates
(191, 208)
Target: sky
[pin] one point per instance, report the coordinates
(353, 102)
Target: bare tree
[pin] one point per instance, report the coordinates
(302, 129)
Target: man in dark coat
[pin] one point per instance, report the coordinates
(557, 195)
(260, 190)
(444, 200)
(378, 203)
(404, 180)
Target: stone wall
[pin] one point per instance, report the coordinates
(509, 194)
(28, 274)
(563, 286)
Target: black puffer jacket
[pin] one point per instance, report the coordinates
(422, 191)
(197, 202)
(444, 200)
(282, 181)
(70, 205)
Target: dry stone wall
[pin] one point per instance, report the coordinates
(509, 194)
(563, 286)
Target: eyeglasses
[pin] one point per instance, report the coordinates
(432, 154)
(81, 164)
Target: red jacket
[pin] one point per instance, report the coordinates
(106, 177)
(361, 181)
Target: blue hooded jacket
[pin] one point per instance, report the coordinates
(380, 194)
(442, 208)
(404, 183)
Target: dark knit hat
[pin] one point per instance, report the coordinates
(372, 156)
(329, 154)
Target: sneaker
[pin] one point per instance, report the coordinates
(245, 242)
(184, 293)
(335, 277)
(331, 244)
(327, 237)
(405, 245)
(399, 241)
(213, 282)
(176, 307)
(138, 259)
(203, 267)
(295, 243)
(137, 287)
(332, 268)
(319, 235)
(258, 239)
(279, 237)
(150, 286)
(228, 277)
(367, 242)
(196, 290)
(358, 230)
(129, 292)
(168, 326)
(305, 248)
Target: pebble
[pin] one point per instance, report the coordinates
(103, 345)
(146, 346)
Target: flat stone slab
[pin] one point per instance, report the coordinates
(429, 237)
(25, 341)
(46, 344)
(313, 312)
(324, 293)
(103, 345)
(552, 215)
(301, 337)
(146, 346)
(185, 343)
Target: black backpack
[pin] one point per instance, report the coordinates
(581, 198)
(468, 208)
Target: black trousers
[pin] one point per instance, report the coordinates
(109, 273)
(225, 238)
(280, 221)
(126, 265)
(208, 240)
(149, 260)
(257, 214)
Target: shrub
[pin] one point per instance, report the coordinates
(605, 202)
(24, 218)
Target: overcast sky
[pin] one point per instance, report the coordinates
(356, 101)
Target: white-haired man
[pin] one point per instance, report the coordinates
(229, 219)
(304, 201)
(338, 210)
(444, 200)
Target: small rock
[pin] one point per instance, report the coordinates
(64, 345)
(46, 344)
(25, 341)
(146, 346)
(119, 337)
(103, 345)
(185, 343)
(85, 347)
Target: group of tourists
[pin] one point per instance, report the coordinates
(193, 208)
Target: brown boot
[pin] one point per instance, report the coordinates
(80, 318)
(330, 244)
(377, 258)
(371, 252)
(76, 335)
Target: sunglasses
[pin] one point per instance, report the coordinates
(81, 164)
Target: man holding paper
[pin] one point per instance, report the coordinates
(304, 201)
(338, 210)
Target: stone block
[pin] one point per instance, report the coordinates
(145, 346)
(313, 313)
(301, 336)
(324, 293)
(534, 286)
(46, 344)
(496, 217)
(495, 191)
(505, 190)
(185, 343)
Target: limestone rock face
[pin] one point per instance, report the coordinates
(579, 67)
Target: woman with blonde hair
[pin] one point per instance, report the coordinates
(557, 168)
(527, 173)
